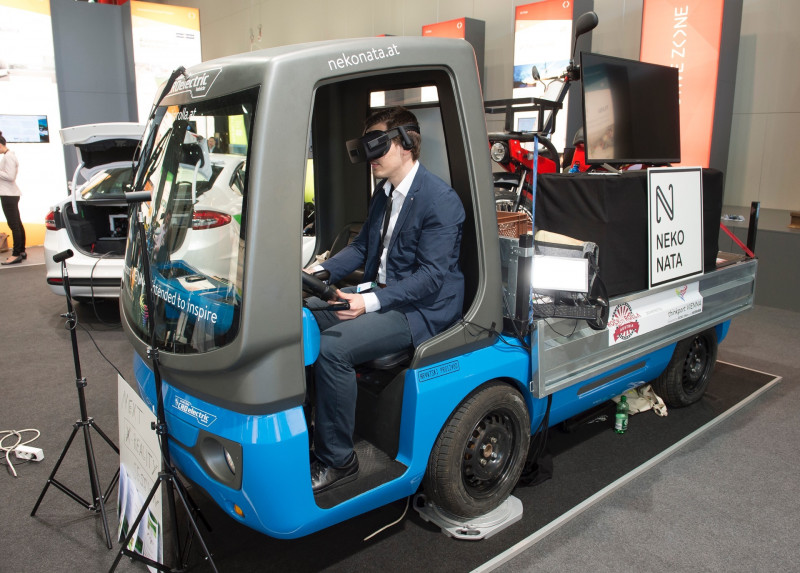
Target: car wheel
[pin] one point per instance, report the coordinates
(689, 371)
(480, 453)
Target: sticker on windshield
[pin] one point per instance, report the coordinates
(197, 85)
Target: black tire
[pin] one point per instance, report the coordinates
(505, 200)
(490, 426)
(687, 375)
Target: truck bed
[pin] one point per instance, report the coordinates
(639, 323)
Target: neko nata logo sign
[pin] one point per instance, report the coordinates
(196, 84)
(203, 418)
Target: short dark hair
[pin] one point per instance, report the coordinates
(2, 139)
(394, 117)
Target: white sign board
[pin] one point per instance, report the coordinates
(675, 223)
(139, 465)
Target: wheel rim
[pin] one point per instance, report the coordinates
(507, 206)
(695, 367)
(488, 453)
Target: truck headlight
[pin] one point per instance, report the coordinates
(229, 461)
(221, 458)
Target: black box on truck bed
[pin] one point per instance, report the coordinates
(611, 210)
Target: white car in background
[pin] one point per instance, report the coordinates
(93, 220)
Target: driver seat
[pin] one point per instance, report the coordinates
(390, 361)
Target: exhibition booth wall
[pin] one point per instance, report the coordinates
(765, 110)
(766, 106)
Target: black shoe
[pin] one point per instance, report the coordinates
(13, 260)
(24, 255)
(325, 477)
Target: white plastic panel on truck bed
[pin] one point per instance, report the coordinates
(639, 324)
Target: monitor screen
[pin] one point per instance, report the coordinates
(630, 111)
(25, 128)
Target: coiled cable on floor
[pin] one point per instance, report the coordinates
(5, 434)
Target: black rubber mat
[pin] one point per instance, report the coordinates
(374, 469)
(585, 460)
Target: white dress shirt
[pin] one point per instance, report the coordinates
(371, 302)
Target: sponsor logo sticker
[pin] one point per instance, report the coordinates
(197, 85)
(624, 321)
(203, 418)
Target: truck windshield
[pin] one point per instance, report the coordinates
(194, 227)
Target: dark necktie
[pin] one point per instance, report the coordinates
(387, 214)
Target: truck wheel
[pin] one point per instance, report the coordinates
(687, 375)
(479, 454)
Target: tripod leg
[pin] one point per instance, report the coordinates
(195, 508)
(113, 483)
(94, 482)
(133, 527)
(55, 469)
(94, 478)
(196, 530)
(108, 440)
(171, 503)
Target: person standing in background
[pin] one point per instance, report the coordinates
(9, 195)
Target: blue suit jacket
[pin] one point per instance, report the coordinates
(423, 277)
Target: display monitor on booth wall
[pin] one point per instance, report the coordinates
(25, 128)
(630, 111)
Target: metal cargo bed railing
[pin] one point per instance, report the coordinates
(562, 361)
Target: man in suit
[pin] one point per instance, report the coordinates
(409, 247)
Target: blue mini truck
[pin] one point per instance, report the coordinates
(455, 418)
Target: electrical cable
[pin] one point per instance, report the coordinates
(91, 290)
(76, 324)
(493, 331)
(537, 296)
(98, 348)
(395, 522)
(18, 433)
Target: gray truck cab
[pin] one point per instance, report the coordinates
(277, 108)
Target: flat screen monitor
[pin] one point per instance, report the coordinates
(25, 128)
(630, 111)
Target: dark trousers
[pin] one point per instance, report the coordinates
(11, 211)
(343, 345)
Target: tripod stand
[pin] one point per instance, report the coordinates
(85, 424)
(167, 476)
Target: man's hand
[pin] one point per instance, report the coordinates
(356, 301)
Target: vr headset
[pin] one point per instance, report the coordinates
(375, 144)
